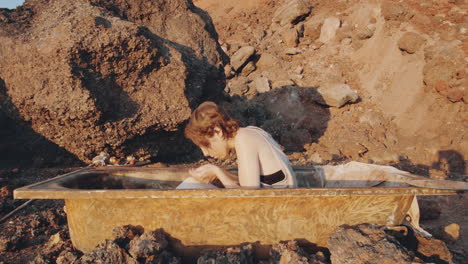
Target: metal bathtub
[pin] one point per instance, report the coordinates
(100, 199)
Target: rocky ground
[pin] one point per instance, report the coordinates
(333, 81)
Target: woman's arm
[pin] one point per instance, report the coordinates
(209, 172)
(248, 161)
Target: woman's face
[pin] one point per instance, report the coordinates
(218, 146)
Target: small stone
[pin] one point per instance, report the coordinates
(289, 252)
(113, 160)
(66, 257)
(292, 51)
(259, 34)
(4, 242)
(345, 31)
(329, 27)
(238, 85)
(262, 84)
(229, 71)
(157, 165)
(282, 83)
(312, 30)
(455, 95)
(365, 33)
(241, 56)
(441, 87)
(248, 69)
(296, 77)
(54, 240)
(5, 192)
(411, 42)
(336, 94)
(346, 41)
(316, 45)
(290, 37)
(266, 61)
(291, 13)
(453, 230)
(316, 158)
(395, 11)
(39, 259)
(299, 70)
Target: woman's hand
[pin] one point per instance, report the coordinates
(206, 173)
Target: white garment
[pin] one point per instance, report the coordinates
(259, 154)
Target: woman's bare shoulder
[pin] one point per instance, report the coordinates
(247, 135)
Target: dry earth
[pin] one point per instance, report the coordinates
(406, 61)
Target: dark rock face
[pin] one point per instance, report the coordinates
(366, 243)
(107, 252)
(150, 243)
(242, 254)
(132, 244)
(90, 75)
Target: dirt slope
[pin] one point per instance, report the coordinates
(412, 107)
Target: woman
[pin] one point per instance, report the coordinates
(260, 160)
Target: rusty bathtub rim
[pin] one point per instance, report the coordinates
(53, 191)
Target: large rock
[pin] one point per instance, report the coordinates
(291, 12)
(232, 255)
(107, 252)
(148, 244)
(366, 243)
(336, 94)
(290, 252)
(89, 75)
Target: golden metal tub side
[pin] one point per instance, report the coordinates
(221, 217)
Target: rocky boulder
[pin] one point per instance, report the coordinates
(411, 42)
(366, 243)
(336, 94)
(92, 75)
(291, 12)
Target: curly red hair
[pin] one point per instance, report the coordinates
(205, 119)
